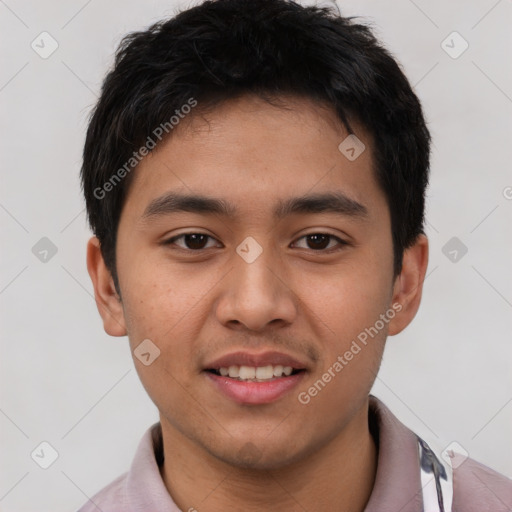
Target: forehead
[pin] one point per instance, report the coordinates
(257, 155)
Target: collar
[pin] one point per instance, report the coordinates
(397, 487)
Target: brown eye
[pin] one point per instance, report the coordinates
(192, 241)
(320, 241)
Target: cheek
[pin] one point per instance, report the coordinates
(348, 305)
(349, 297)
(163, 311)
(166, 304)
(348, 308)
(153, 289)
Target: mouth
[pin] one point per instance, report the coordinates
(266, 373)
(255, 378)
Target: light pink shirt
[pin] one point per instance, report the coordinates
(398, 488)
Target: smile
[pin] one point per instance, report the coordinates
(255, 374)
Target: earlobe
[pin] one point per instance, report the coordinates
(108, 302)
(408, 285)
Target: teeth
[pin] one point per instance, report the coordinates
(247, 372)
(264, 372)
(278, 370)
(260, 373)
(233, 371)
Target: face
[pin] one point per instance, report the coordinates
(277, 279)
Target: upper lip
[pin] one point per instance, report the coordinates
(243, 358)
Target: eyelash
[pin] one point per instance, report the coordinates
(341, 242)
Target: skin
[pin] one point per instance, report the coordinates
(197, 306)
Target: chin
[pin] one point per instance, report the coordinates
(257, 457)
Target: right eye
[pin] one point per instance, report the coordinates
(193, 242)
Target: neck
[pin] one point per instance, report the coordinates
(338, 476)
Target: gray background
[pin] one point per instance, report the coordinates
(64, 381)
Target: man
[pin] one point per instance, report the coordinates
(254, 174)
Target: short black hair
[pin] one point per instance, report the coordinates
(223, 49)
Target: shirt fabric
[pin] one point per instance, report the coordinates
(412, 476)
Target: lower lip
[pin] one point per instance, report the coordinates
(246, 392)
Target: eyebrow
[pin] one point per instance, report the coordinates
(332, 202)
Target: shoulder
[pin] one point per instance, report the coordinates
(111, 498)
(130, 489)
(479, 488)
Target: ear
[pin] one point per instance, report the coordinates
(108, 301)
(408, 285)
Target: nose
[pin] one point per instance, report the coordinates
(256, 294)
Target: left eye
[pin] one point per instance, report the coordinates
(196, 241)
(318, 240)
